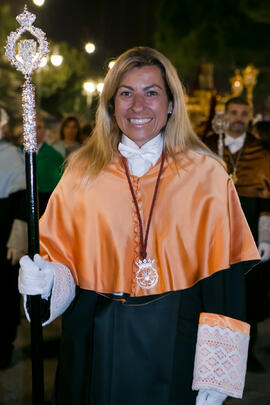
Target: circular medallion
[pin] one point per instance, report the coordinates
(146, 276)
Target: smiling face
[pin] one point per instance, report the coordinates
(141, 104)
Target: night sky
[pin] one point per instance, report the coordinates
(113, 26)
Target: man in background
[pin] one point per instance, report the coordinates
(248, 163)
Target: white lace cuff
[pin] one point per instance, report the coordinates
(221, 354)
(63, 293)
(264, 229)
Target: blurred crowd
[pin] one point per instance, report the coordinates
(52, 150)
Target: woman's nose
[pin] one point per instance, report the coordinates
(138, 102)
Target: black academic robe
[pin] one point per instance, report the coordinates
(140, 351)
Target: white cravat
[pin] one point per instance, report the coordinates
(140, 159)
(234, 144)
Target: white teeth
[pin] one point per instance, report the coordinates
(140, 120)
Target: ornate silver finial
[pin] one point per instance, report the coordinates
(220, 124)
(26, 61)
(26, 19)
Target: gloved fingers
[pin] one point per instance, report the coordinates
(214, 401)
(201, 397)
(215, 398)
(48, 283)
(41, 263)
(35, 277)
(30, 285)
(27, 264)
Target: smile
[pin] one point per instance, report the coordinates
(140, 121)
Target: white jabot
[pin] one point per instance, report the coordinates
(234, 144)
(140, 159)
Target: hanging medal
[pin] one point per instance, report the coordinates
(147, 275)
(234, 177)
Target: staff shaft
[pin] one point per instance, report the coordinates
(35, 301)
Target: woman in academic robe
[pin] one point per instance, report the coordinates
(144, 249)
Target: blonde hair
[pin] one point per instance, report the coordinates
(100, 149)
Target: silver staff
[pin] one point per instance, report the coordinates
(26, 60)
(220, 124)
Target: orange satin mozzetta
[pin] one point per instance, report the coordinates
(197, 228)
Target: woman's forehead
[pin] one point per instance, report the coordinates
(144, 74)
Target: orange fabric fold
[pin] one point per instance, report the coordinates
(197, 228)
(224, 322)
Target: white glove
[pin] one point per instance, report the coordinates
(210, 397)
(14, 255)
(264, 250)
(36, 277)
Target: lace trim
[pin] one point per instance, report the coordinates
(63, 293)
(264, 229)
(224, 322)
(220, 360)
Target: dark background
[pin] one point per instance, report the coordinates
(113, 26)
(230, 34)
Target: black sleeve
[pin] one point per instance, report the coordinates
(224, 292)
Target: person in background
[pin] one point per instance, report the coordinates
(261, 130)
(69, 136)
(12, 216)
(86, 131)
(248, 163)
(144, 248)
(49, 167)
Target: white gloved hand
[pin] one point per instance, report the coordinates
(14, 255)
(264, 250)
(36, 277)
(210, 397)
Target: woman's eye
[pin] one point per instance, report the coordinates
(125, 93)
(151, 93)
